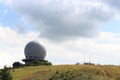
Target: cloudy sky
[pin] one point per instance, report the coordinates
(70, 30)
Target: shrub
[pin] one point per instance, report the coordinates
(38, 62)
(5, 74)
(17, 64)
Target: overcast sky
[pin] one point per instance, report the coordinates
(70, 30)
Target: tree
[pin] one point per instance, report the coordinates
(17, 64)
(5, 74)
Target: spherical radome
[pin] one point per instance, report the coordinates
(34, 50)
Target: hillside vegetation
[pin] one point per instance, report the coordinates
(67, 72)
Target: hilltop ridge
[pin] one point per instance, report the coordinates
(67, 72)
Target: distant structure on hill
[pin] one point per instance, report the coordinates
(34, 51)
(87, 63)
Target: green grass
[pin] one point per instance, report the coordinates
(67, 72)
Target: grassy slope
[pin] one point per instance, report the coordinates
(45, 72)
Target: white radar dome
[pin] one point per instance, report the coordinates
(34, 50)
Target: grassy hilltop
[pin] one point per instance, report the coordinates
(67, 72)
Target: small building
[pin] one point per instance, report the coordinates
(88, 63)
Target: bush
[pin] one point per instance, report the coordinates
(5, 74)
(17, 64)
(39, 62)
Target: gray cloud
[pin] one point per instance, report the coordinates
(113, 3)
(63, 19)
(20, 29)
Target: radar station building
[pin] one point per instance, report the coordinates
(34, 51)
